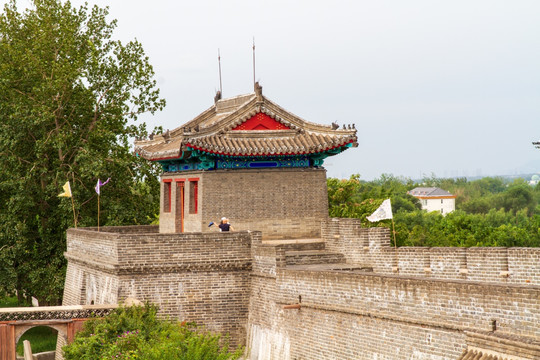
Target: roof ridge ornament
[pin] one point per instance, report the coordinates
(258, 91)
(217, 97)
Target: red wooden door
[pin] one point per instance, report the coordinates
(179, 216)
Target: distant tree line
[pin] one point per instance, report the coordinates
(490, 211)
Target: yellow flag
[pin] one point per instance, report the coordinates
(67, 190)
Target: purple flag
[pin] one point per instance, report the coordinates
(100, 184)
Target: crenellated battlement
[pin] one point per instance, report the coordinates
(199, 277)
(351, 291)
(371, 247)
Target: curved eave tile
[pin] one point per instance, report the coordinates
(266, 151)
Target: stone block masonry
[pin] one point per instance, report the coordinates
(372, 247)
(386, 314)
(409, 303)
(196, 277)
(346, 315)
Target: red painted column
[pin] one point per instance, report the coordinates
(7, 342)
(73, 328)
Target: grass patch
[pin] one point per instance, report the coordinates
(8, 301)
(42, 338)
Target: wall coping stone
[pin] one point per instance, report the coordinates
(412, 279)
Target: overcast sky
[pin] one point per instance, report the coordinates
(444, 87)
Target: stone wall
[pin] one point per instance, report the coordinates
(363, 315)
(404, 303)
(192, 276)
(282, 203)
(417, 303)
(368, 316)
(373, 247)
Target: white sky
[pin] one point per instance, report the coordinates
(444, 87)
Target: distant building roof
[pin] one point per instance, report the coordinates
(430, 192)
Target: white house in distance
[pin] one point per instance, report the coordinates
(435, 199)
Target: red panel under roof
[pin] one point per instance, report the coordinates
(261, 121)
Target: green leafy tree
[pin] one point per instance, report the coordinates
(491, 211)
(343, 196)
(69, 95)
(358, 199)
(136, 333)
(513, 197)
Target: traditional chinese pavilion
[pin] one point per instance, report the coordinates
(250, 160)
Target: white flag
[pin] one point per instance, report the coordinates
(382, 213)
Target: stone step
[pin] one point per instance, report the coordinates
(339, 267)
(298, 244)
(306, 257)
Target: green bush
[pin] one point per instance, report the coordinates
(136, 333)
(496, 228)
(8, 301)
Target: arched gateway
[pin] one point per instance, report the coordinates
(67, 320)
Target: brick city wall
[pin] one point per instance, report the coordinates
(192, 276)
(368, 316)
(409, 314)
(235, 283)
(282, 203)
(373, 247)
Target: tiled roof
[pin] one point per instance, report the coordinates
(429, 191)
(286, 144)
(218, 130)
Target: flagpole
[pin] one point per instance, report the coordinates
(395, 244)
(98, 192)
(73, 201)
(394, 232)
(74, 216)
(384, 212)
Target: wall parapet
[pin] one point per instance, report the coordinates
(373, 295)
(195, 277)
(143, 249)
(372, 247)
(506, 347)
(344, 314)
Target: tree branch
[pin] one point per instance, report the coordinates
(96, 112)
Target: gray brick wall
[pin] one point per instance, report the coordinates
(192, 276)
(282, 203)
(236, 283)
(366, 315)
(373, 247)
